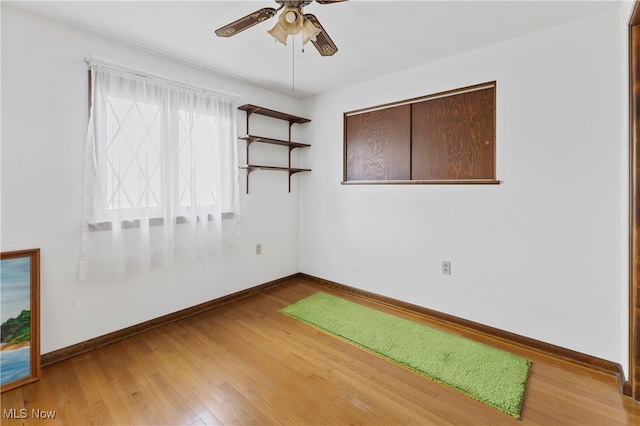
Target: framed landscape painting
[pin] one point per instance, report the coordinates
(20, 318)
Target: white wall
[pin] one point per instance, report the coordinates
(44, 119)
(539, 255)
(543, 254)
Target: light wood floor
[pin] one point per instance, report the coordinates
(246, 363)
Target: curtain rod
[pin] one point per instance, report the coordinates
(95, 60)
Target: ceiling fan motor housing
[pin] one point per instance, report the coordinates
(294, 3)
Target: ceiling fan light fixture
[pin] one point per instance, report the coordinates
(290, 22)
(279, 33)
(291, 17)
(309, 31)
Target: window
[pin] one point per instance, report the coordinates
(160, 174)
(132, 166)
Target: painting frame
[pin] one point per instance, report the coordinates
(19, 272)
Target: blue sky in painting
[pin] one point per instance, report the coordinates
(15, 287)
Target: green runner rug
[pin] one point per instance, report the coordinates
(482, 372)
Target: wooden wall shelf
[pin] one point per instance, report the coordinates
(254, 109)
(249, 138)
(253, 167)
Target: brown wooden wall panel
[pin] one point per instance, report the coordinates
(447, 137)
(633, 386)
(378, 144)
(453, 137)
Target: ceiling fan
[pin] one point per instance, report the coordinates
(290, 22)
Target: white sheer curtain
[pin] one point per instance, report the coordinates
(161, 175)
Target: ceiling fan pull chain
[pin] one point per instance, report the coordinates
(293, 65)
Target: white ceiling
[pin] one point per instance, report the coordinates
(374, 38)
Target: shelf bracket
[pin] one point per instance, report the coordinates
(291, 173)
(249, 171)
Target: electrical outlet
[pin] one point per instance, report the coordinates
(259, 248)
(446, 267)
